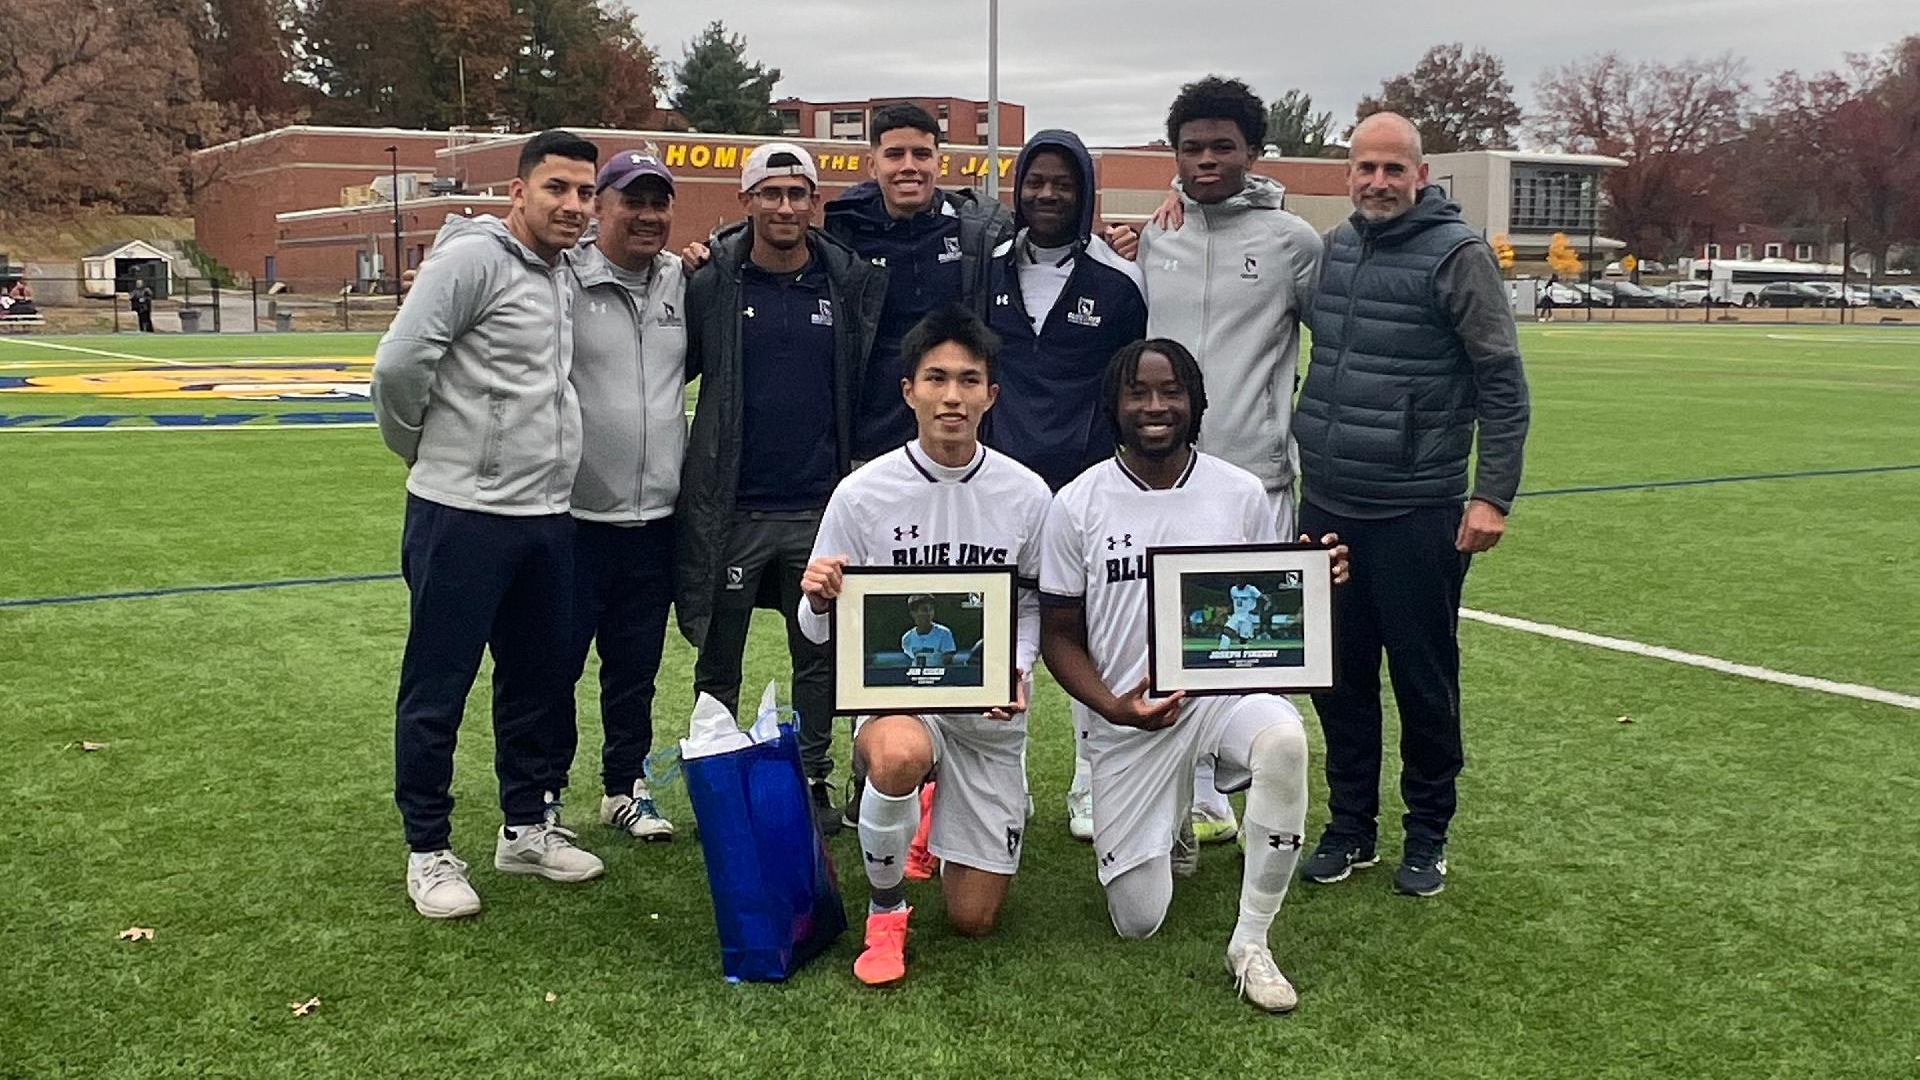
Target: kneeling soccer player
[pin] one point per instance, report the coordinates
(1158, 490)
(942, 499)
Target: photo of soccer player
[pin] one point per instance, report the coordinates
(1262, 627)
(927, 653)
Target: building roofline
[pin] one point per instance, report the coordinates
(492, 140)
(321, 129)
(1544, 157)
(416, 204)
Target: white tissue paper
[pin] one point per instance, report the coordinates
(712, 730)
(767, 727)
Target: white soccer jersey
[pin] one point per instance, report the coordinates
(934, 642)
(904, 509)
(1245, 599)
(1101, 526)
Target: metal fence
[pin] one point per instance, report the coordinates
(201, 306)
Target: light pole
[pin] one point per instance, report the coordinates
(394, 152)
(993, 99)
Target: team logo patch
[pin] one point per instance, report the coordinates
(668, 316)
(736, 578)
(1013, 842)
(823, 317)
(1082, 313)
(237, 382)
(952, 252)
(1250, 269)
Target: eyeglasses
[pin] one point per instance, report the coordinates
(771, 198)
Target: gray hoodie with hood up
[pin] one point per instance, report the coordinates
(1231, 285)
(470, 382)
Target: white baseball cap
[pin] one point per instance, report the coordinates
(777, 159)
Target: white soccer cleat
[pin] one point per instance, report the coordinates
(1258, 978)
(437, 885)
(545, 850)
(1080, 814)
(636, 815)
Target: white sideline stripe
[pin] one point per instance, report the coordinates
(97, 352)
(181, 427)
(1711, 663)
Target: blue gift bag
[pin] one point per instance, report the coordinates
(775, 898)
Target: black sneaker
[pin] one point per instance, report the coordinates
(824, 813)
(850, 811)
(1423, 869)
(1337, 856)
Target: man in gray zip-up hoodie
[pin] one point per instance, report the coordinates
(1230, 282)
(470, 388)
(629, 368)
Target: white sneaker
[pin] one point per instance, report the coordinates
(437, 885)
(1186, 851)
(546, 850)
(1258, 978)
(636, 814)
(1214, 826)
(1080, 814)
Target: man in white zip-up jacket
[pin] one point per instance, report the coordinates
(1230, 283)
(629, 369)
(470, 388)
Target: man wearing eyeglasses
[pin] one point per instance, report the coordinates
(781, 321)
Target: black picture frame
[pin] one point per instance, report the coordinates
(874, 622)
(1277, 638)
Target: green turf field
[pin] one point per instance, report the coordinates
(1716, 889)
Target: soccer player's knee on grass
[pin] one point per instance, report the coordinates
(897, 753)
(1137, 900)
(973, 898)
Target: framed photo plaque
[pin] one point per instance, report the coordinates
(917, 639)
(1240, 619)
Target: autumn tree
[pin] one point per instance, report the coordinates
(1664, 121)
(1561, 258)
(720, 91)
(1294, 129)
(1844, 145)
(410, 63)
(1459, 101)
(247, 60)
(582, 62)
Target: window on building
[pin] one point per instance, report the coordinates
(1713, 251)
(1773, 251)
(1547, 199)
(1744, 251)
(848, 116)
(980, 117)
(789, 121)
(941, 112)
(1803, 252)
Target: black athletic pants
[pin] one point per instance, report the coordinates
(772, 546)
(624, 586)
(1404, 598)
(481, 581)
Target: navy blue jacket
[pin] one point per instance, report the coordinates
(1050, 416)
(933, 258)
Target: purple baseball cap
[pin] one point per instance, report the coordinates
(623, 169)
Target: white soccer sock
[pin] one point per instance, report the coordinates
(1274, 827)
(887, 825)
(1204, 793)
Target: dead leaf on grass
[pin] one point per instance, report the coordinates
(552, 997)
(90, 747)
(302, 1008)
(1626, 719)
(137, 933)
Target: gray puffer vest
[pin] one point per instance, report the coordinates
(1385, 419)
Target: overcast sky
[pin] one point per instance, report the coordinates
(1109, 69)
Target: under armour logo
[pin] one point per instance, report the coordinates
(879, 860)
(1125, 540)
(598, 307)
(1170, 264)
(1107, 859)
(905, 532)
(879, 260)
(1276, 841)
(748, 312)
(1002, 300)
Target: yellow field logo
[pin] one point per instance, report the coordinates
(237, 382)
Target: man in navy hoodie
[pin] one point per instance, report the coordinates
(935, 246)
(1063, 303)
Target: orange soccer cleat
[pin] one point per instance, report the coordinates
(921, 863)
(885, 960)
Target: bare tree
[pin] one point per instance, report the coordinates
(1458, 101)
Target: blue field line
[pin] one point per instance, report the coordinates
(183, 590)
(1702, 481)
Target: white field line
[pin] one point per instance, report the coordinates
(100, 352)
(1711, 663)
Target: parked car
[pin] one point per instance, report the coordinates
(1793, 294)
(1835, 298)
(1565, 295)
(1896, 296)
(1626, 294)
(1684, 293)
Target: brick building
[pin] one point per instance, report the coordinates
(961, 120)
